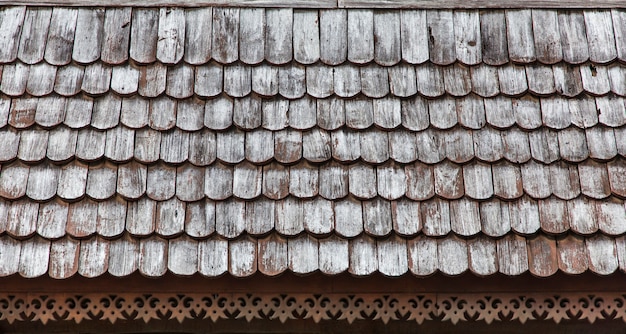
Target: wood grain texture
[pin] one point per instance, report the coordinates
(493, 37)
(426, 4)
(600, 36)
(442, 111)
(512, 255)
(619, 26)
(291, 81)
(144, 35)
(452, 255)
(363, 255)
(93, 258)
(391, 181)
(82, 218)
(610, 216)
(213, 256)
(318, 216)
(252, 32)
(272, 255)
(348, 217)
(306, 37)
(22, 218)
(594, 179)
(488, 144)
(482, 256)
(441, 40)
(495, 218)
(333, 255)
(457, 80)
(541, 80)
(116, 38)
(467, 37)
(414, 37)
(362, 181)
(69, 80)
(520, 36)
(141, 216)
(72, 181)
(225, 39)
(61, 36)
(567, 79)
(51, 219)
(524, 216)
(34, 257)
(230, 218)
(420, 181)
(573, 37)
(387, 41)
(360, 36)
(200, 218)
(303, 254)
(377, 217)
(153, 253)
(260, 216)
(14, 79)
(435, 214)
(259, 146)
(34, 34)
(613, 111)
(171, 35)
(50, 111)
(554, 216)
(96, 79)
(542, 256)
(10, 26)
(106, 112)
(180, 81)
(316, 145)
(279, 35)
(182, 256)
(333, 36)
(392, 256)
(527, 112)
(111, 217)
(512, 80)
(198, 22)
(63, 258)
(582, 216)
(41, 79)
(448, 180)
(89, 34)
(247, 112)
(547, 36)
(602, 254)
(465, 217)
(32, 145)
(454, 4)
(573, 146)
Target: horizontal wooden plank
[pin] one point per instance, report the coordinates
(183, 3)
(441, 4)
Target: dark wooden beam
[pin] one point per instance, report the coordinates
(290, 283)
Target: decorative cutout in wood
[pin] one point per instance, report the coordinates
(399, 307)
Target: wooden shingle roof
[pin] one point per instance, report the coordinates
(244, 140)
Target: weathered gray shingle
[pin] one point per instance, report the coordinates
(214, 140)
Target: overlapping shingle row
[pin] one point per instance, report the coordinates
(281, 35)
(293, 81)
(213, 140)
